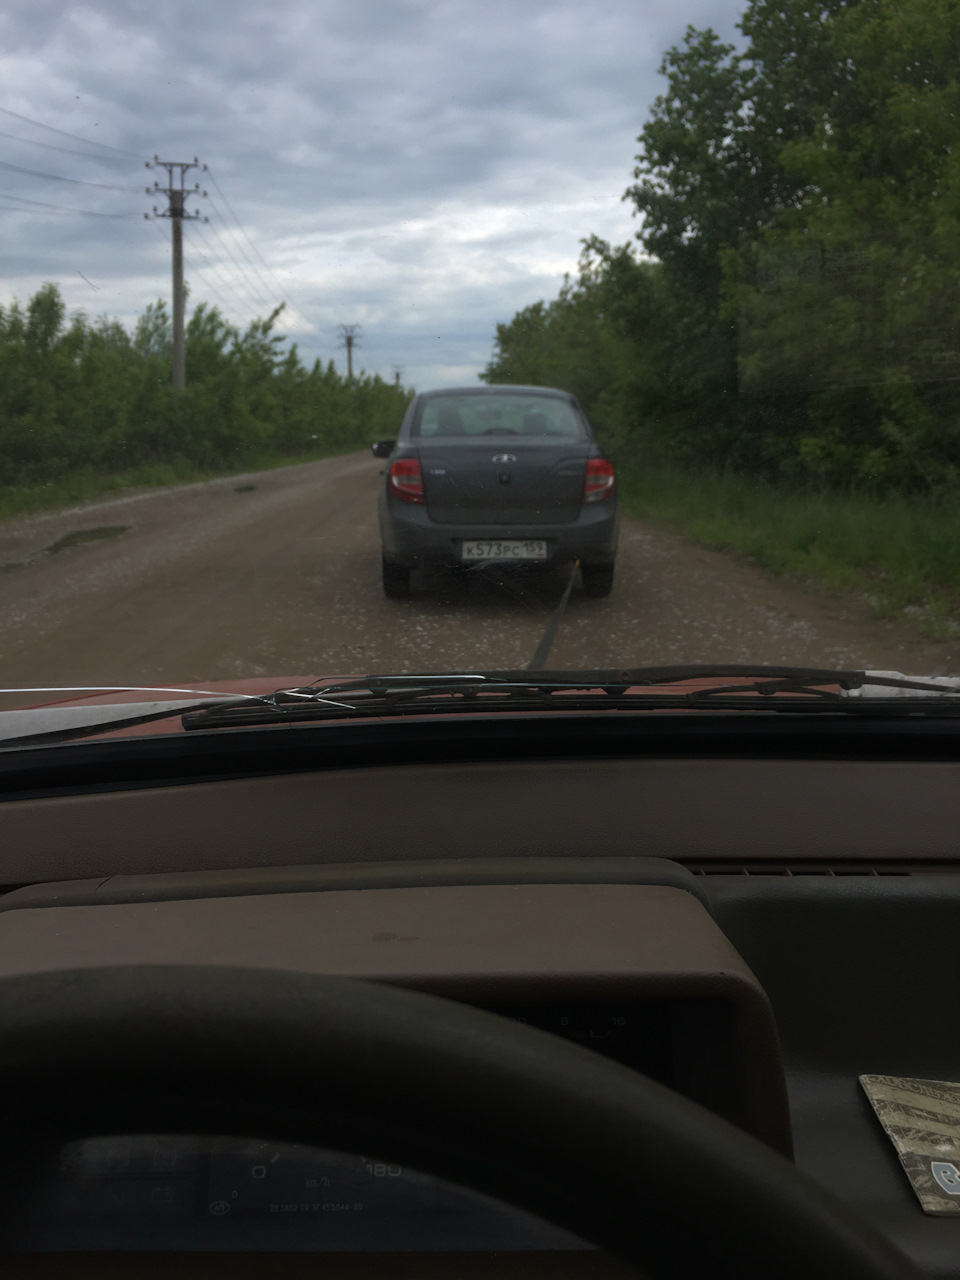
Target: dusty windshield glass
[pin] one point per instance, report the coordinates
(242, 248)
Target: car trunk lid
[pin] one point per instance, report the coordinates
(504, 482)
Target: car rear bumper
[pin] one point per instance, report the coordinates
(412, 539)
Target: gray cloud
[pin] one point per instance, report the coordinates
(424, 167)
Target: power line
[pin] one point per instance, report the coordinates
(311, 327)
(220, 192)
(57, 177)
(253, 287)
(91, 142)
(239, 313)
(249, 281)
(253, 279)
(70, 151)
(243, 279)
(62, 208)
(299, 317)
(256, 273)
(248, 277)
(194, 266)
(230, 283)
(249, 302)
(166, 243)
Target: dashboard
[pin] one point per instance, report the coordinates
(753, 933)
(182, 1192)
(638, 972)
(190, 1193)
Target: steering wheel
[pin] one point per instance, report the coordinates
(538, 1122)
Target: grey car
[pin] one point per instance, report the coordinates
(497, 475)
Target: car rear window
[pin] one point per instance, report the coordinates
(534, 417)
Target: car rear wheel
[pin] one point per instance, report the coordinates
(597, 579)
(396, 580)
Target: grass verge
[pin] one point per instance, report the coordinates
(901, 554)
(88, 486)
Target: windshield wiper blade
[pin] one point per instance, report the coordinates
(770, 679)
(483, 692)
(797, 689)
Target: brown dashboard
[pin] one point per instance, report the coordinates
(559, 893)
(638, 972)
(685, 809)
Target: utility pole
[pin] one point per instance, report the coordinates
(349, 333)
(176, 193)
(397, 374)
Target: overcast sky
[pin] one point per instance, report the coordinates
(423, 168)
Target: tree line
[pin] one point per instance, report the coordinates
(793, 307)
(79, 394)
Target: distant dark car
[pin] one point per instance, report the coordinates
(497, 475)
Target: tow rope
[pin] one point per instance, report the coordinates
(539, 659)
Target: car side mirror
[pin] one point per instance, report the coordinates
(383, 448)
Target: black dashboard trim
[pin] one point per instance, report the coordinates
(163, 760)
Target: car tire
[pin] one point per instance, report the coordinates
(396, 580)
(597, 579)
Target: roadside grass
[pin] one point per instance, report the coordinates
(900, 554)
(81, 487)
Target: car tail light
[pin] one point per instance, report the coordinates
(600, 481)
(406, 480)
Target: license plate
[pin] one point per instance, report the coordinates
(504, 549)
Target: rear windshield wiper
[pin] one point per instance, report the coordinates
(756, 689)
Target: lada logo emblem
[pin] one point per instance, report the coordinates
(503, 458)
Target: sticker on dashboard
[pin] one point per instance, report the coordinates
(922, 1120)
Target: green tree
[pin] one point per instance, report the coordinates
(88, 396)
(854, 293)
(797, 314)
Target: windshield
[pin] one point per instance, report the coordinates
(344, 340)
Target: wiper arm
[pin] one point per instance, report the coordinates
(796, 688)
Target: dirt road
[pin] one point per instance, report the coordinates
(278, 574)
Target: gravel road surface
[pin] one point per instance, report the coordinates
(277, 573)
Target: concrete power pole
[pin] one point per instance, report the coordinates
(176, 193)
(349, 334)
